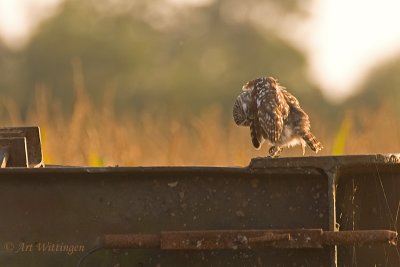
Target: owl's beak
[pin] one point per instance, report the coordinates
(246, 87)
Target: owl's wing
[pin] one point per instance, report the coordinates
(290, 98)
(297, 112)
(255, 130)
(270, 104)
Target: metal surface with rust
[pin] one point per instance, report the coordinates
(248, 239)
(369, 200)
(243, 239)
(360, 237)
(77, 205)
(135, 241)
(15, 151)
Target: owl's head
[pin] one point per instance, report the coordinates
(260, 82)
(241, 109)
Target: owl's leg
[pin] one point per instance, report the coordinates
(275, 151)
(303, 148)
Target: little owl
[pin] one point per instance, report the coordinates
(275, 115)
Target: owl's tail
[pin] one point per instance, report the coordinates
(256, 137)
(312, 142)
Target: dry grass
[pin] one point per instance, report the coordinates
(93, 135)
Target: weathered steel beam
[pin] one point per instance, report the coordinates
(360, 238)
(247, 239)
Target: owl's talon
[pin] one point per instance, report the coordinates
(275, 151)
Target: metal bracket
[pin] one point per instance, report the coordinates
(20, 147)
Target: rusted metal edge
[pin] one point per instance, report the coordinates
(160, 171)
(304, 165)
(326, 162)
(265, 165)
(247, 239)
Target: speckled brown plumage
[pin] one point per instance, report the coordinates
(273, 114)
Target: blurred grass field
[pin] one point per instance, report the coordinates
(93, 135)
(151, 83)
